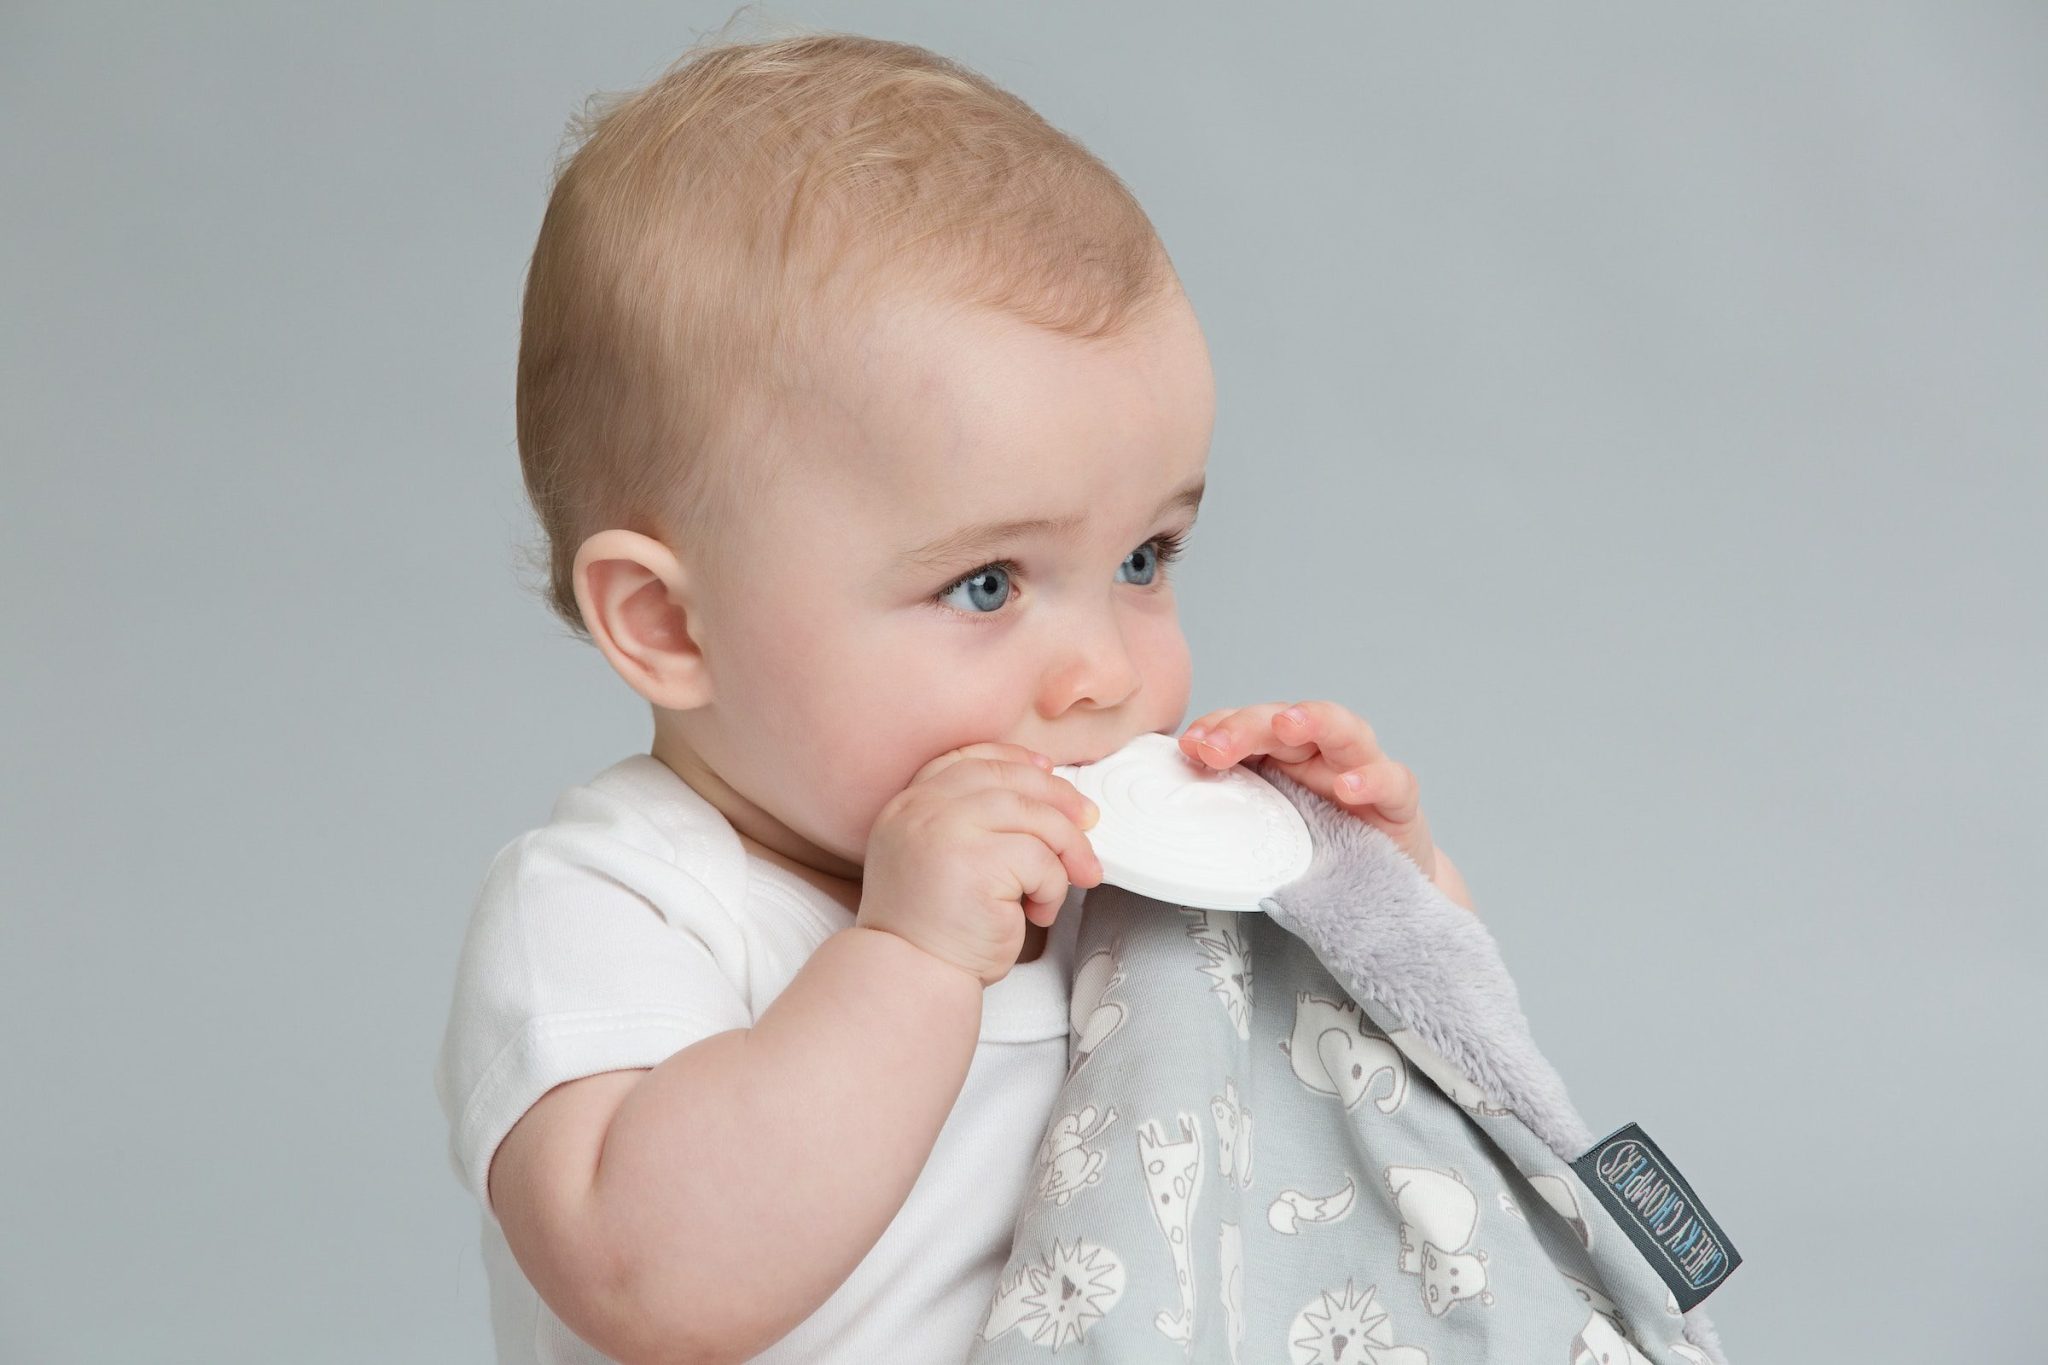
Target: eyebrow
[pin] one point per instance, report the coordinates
(957, 545)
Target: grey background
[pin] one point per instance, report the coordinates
(1645, 403)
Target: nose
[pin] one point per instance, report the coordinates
(1094, 667)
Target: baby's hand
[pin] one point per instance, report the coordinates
(1334, 754)
(984, 838)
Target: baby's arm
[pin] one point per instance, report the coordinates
(1451, 882)
(694, 1213)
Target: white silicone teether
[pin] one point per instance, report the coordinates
(1181, 832)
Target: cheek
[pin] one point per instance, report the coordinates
(852, 722)
(795, 700)
(1168, 669)
(868, 753)
(851, 716)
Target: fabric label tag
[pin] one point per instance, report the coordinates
(1660, 1213)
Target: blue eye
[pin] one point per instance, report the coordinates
(989, 579)
(988, 586)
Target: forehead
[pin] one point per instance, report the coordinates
(935, 414)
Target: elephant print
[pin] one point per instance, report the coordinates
(1336, 1051)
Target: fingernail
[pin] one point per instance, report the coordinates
(1296, 714)
(1353, 782)
(1094, 814)
(1196, 732)
(1042, 760)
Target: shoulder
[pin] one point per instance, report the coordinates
(602, 940)
(634, 831)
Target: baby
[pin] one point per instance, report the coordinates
(864, 415)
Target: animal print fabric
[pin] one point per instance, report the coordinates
(1245, 1166)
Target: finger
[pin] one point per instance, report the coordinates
(1203, 722)
(1342, 739)
(1246, 731)
(1045, 885)
(1008, 810)
(1078, 806)
(998, 749)
(1199, 729)
(1390, 786)
(979, 773)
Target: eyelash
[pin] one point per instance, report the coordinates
(1172, 545)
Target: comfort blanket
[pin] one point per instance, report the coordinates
(1317, 1135)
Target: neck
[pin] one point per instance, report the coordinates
(760, 833)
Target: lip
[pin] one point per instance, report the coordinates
(1084, 762)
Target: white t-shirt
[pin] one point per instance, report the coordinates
(634, 923)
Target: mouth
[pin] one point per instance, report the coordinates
(1084, 762)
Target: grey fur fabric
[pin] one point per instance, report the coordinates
(1394, 941)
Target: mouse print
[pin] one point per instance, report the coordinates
(1295, 1207)
(1065, 1165)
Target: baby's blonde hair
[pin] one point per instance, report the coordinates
(696, 234)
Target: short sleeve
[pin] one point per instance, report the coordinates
(586, 951)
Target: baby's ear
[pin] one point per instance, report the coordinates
(635, 598)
